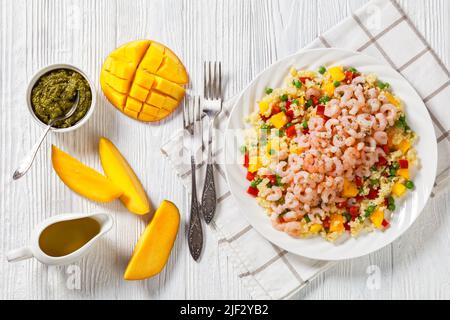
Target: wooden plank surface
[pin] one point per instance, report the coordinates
(246, 36)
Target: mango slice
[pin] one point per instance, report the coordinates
(155, 244)
(141, 73)
(119, 171)
(83, 180)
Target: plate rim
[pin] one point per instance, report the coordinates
(349, 52)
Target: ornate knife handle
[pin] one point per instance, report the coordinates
(195, 233)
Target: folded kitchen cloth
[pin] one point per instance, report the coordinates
(379, 29)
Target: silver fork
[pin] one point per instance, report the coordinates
(191, 121)
(212, 106)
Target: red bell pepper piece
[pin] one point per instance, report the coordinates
(341, 205)
(250, 176)
(386, 148)
(373, 194)
(320, 110)
(275, 110)
(291, 131)
(252, 191)
(347, 226)
(272, 178)
(326, 223)
(385, 223)
(358, 181)
(246, 160)
(354, 211)
(403, 163)
(382, 161)
(303, 79)
(315, 100)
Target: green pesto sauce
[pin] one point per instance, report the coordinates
(54, 93)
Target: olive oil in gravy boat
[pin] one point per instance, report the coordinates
(82, 229)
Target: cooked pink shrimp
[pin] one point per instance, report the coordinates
(292, 216)
(359, 80)
(333, 108)
(295, 162)
(390, 112)
(365, 120)
(294, 228)
(346, 90)
(372, 93)
(354, 106)
(380, 137)
(350, 157)
(372, 144)
(275, 194)
(359, 94)
(380, 122)
(315, 123)
(330, 124)
(312, 92)
(374, 105)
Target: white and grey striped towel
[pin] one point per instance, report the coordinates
(379, 29)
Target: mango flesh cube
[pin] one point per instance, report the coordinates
(153, 248)
(169, 88)
(144, 71)
(144, 79)
(120, 172)
(138, 92)
(150, 110)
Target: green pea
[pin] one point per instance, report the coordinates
(409, 184)
(307, 219)
(309, 103)
(297, 84)
(284, 97)
(269, 90)
(295, 102)
(352, 70)
(305, 124)
(324, 99)
(337, 84)
(322, 70)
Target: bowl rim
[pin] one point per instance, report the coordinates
(54, 66)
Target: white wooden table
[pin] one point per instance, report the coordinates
(246, 36)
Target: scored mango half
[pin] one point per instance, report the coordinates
(144, 79)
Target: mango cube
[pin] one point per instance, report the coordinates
(337, 73)
(336, 223)
(329, 89)
(263, 107)
(377, 218)
(350, 189)
(404, 146)
(398, 189)
(315, 228)
(403, 173)
(278, 120)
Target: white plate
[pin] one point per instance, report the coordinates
(408, 209)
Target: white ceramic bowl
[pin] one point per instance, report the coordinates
(52, 67)
(408, 208)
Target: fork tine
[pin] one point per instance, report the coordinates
(210, 92)
(220, 80)
(185, 106)
(204, 80)
(214, 80)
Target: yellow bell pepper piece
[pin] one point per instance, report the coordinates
(254, 164)
(336, 223)
(398, 189)
(329, 89)
(301, 100)
(278, 120)
(298, 150)
(337, 73)
(404, 146)
(350, 189)
(263, 107)
(377, 218)
(403, 173)
(315, 228)
(392, 99)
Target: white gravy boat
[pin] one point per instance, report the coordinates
(104, 220)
